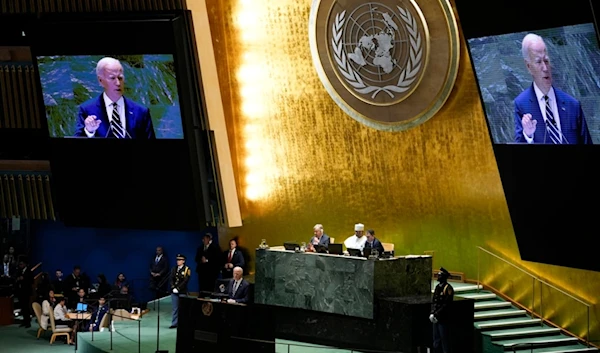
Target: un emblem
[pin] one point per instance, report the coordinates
(207, 309)
(389, 64)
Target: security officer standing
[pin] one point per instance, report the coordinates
(180, 276)
(442, 297)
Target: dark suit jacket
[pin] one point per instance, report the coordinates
(96, 318)
(323, 241)
(242, 293)
(213, 255)
(161, 267)
(24, 286)
(236, 260)
(58, 286)
(572, 121)
(376, 245)
(138, 121)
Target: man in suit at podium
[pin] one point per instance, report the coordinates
(238, 288)
(111, 115)
(559, 115)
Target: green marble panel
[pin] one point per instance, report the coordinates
(335, 284)
(403, 276)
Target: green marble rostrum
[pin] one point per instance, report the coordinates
(337, 284)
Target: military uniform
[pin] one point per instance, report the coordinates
(442, 297)
(180, 276)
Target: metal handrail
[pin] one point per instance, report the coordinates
(536, 278)
(297, 344)
(531, 275)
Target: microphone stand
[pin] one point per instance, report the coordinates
(157, 306)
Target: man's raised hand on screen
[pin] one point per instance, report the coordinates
(528, 123)
(92, 123)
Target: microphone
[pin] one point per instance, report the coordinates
(110, 130)
(553, 122)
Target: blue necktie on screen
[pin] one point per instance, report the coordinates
(115, 123)
(553, 131)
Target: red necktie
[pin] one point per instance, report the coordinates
(230, 256)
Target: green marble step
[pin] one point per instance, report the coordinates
(478, 296)
(550, 340)
(522, 331)
(492, 304)
(462, 288)
(507, 322)
(491, 314)
(576, 348)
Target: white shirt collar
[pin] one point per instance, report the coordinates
(540, 95)
(109, 104)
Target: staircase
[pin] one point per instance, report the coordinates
(501, 327)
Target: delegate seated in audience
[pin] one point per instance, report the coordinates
(122, 300)
(238, 288)
(233, 258)
(81, 299)
(121, 281)
(48, 304)
(319, 239)
(103, 287)
(58, 284)
(97, 315)
(61, 318)
(358, 240)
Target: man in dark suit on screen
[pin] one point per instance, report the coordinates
(238, 288)
(559, 115)
(111, 115)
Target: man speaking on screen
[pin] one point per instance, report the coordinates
(543, 113)
(111, 115)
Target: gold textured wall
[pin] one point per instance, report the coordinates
(299, 160)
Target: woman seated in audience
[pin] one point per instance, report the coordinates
(103, 286)
(80, 299)
(48, 304)
(61, 318)
(121, 281)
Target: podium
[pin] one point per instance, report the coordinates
(7, 316)
(345, 285)
(212, 326)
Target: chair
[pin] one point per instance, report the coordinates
(388, 247)
(37, 309)
(105, 321)
(60, 330)
(121, 315)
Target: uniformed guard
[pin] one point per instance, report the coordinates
(442, 297)
(180, 276)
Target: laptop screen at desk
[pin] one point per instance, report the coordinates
(335, 249)
(81, 307)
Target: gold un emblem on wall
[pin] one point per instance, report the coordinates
(389, 64)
